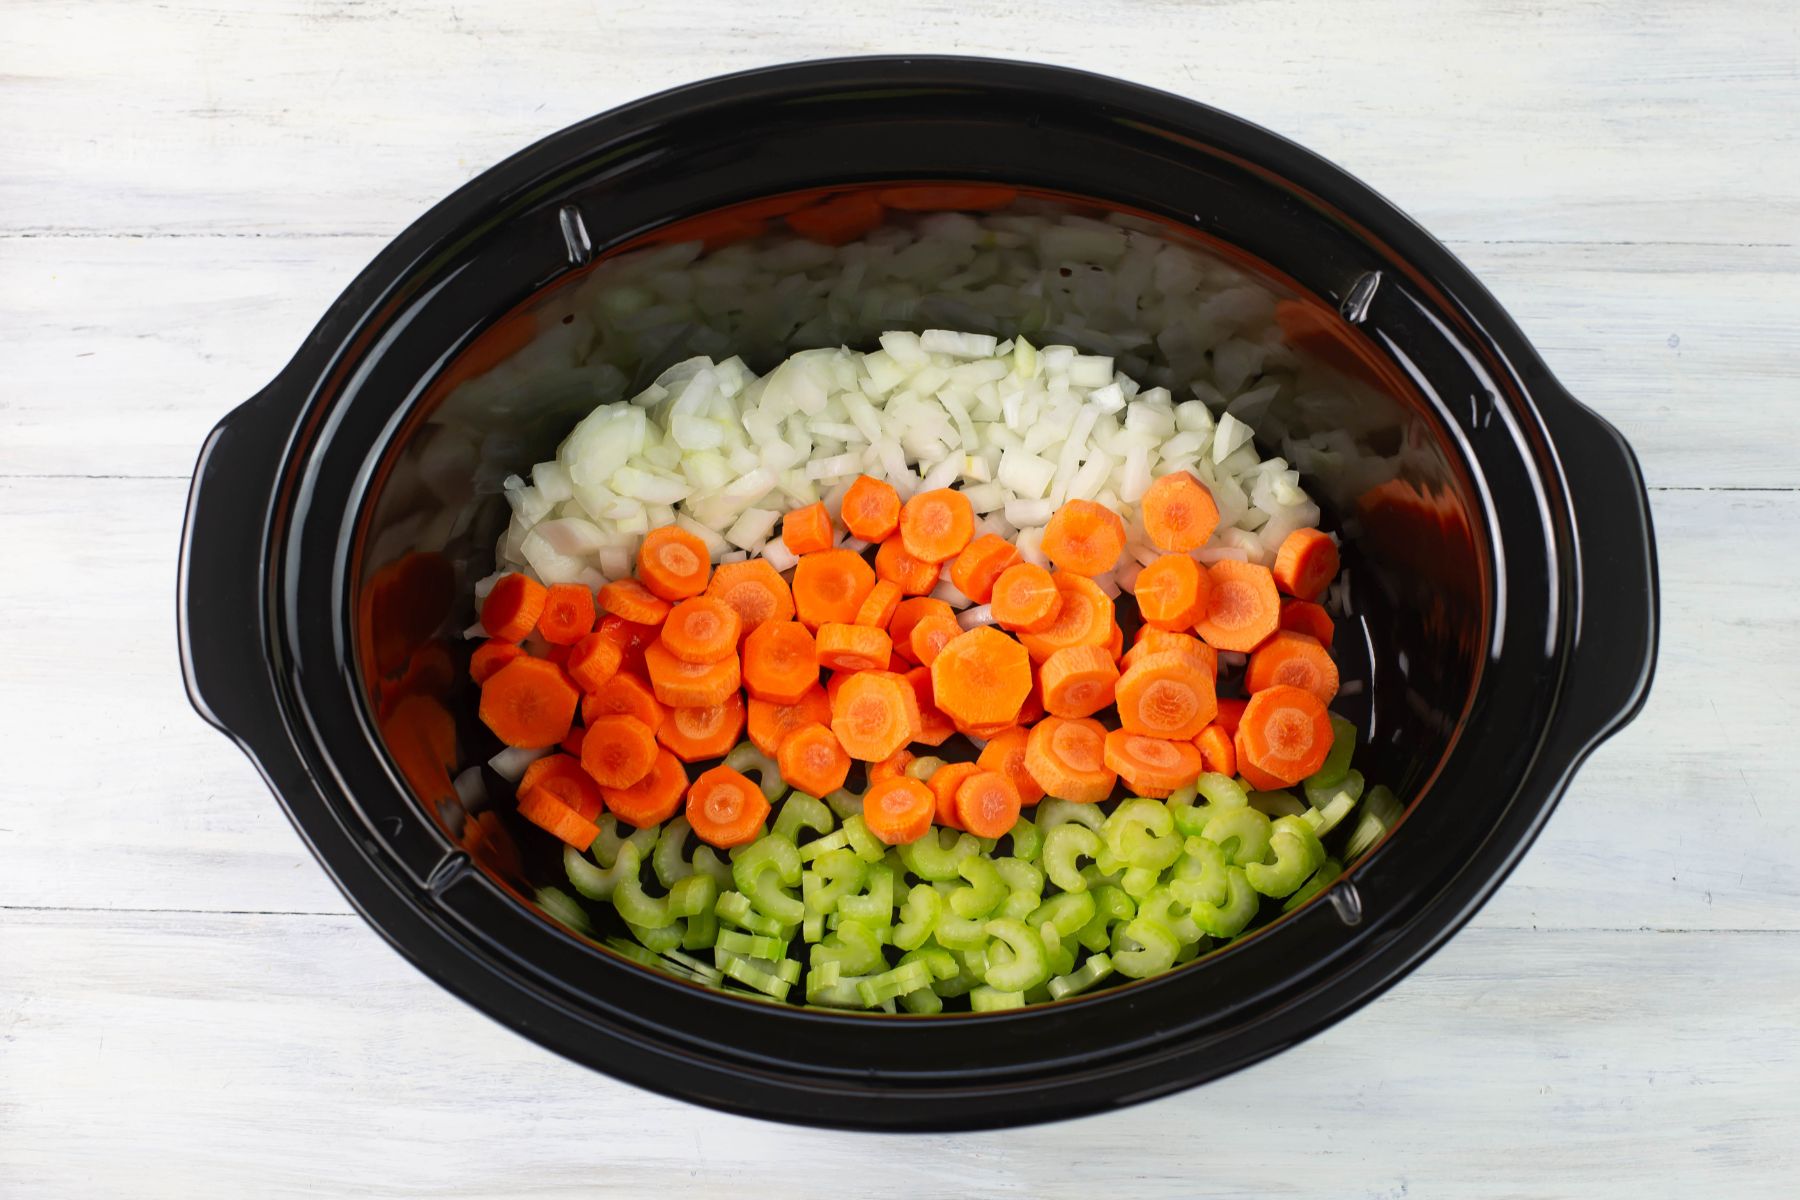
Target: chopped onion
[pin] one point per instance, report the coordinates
(511, 762)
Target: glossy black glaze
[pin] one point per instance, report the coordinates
(1498, 660)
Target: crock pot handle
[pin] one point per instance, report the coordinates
(1616, 632)
(220, 616)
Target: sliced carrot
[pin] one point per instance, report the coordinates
(630, 637)
(1172, 592)
(1152, 766)
(936, 525)
(1242, 609)
(1295, 659)
(1025, 598)
(987, 804)
(1306, 563)
(1084, 617)
(562, 775)
(870, 509)
(1084, 537)
(947, 197)
(1231, 714)
(1179, 513)
(755, 589)
(874, 715)
(830, 586)
(1078, 681)
(701, 630)
(1032, 711)
(913, 576)
(781, 662)
(771, 723)
(892, 767)
(1166, 695)
(935, 727)
(568, 614)
(1285, 734)
(1259, 779)
(980, 564)
(834, 683)
(593, 660)
(1067, 757)
(618, 751)
(632, 601)
(1115, 644)
(673, 563)
(1151, 640)
(807, 530)
(490, 656)
(652, 799)
(931, 635)
(1217, 754)
(682, 684)
(512, 607)
(626, 694)
(529, 703)
(812, 761)
(1005, 753)
(1303, 616)
(556, 654)
(545, 810)
(986, 733)
(899, 810)
(853, 647)
(696, 734)
(571, 743)
(907, 615)
(981, 677)
(838, 220)
(943, 783)
(879, 605)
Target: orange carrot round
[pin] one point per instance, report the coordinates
(629, 636)
(592, 661)
(511, 609)
(1303, 616)
(853, 647)
(980, 564)
(529, 703)
(490, 656)
(935, 727)
(673, 563)
(1285, 734)
(697, 734)
(913, 576)
(807, 530)
(892, 767)
(1151, 640)
(632, 601)
(1025, 598)
(1006, 754)
(1084, 537)
(936, 525)
(545, 810)
(874, 715)
(987, 804)
(899, 810)
(682, 684)
(725, 808)
(812, 761)
(781, 662)
(701, 630)
(563, 777)
(879, 606)
(907, 615)
(1242, 608)
(871, 509)
(981, 677)
(1306, 563)
(830, 586)
(1084, 617)
(618, 751)
(943, 783)
(652, 799)
(568, 614)
(1078, 681)
(1166, 695)
(1296, 660)
(1217, 754)
(1179, 513)
(770, 723)
(1172, 592)
(627, 694)
(1231, 714)
(931, 634)
(755, 589)
(1152, 767)
(1067, 757)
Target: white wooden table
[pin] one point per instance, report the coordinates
(188, 1008)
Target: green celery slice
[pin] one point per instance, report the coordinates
(1297, 855)
(1096, 968)
(1063, 845)
(801, 811)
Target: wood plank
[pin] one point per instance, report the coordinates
(1672, 825)
(1606, 120)
(123, 352)
(318, 1063)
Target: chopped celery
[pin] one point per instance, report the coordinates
(900, 980)
(812, 928)
(1054, 811)
(960, 933)
(828, 972)
(1243, 833)
(736, 908)
(919, 916)
(1221, 791)
(746, 759)
(637, 907)
(841, 993)
(987, 999)
(932, 858)
(1139, 882)
(763, 870)
(801, 811)
(660, 938)
(1143, 948)
(607, 842)
(1324, 820)
(1199, 874)
(1228, 919)
(1381, 812)
(707, 862)
(1297, 855)
(748, 973)
(1066, 912)
(1337, 762)
(1062, 846)
(845, 804)
(923, 1002)
(1277, 804)
(923, 767)
(693, 898)
(1095, 969)
(868, 847)
(1027, 840)
(1162, 907)
(752, 945)
(985, 891)
(1111, 906)
(853, 946)
(705, 972)
(1061, 953)
(564, 907)
(1097, 878)
(839, 840)
(971, 969)
(1026, 966)
(1024, 883)
(830, 878)
(593, 882)
(1321, 879)
(1141, 833)
(667, 860)
(1350, 786)
(875, 905)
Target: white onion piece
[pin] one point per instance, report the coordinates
(470, 789)
(511, 762)
(981, 614)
